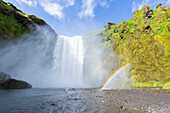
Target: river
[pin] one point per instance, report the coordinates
(51, 100)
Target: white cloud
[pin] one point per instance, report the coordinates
(56, 7)
(52, 8)
(138, 4)
(69, 3)
(88, 6)
(28, 2)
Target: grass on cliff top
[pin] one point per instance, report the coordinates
(145, 43)
(10, 26)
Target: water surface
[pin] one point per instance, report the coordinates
(30, 100)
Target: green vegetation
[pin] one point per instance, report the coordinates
(1, 85)
(14, 22)
(144, 41)
(166, 85)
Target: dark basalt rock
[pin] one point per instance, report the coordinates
(109, 24)
(148, 27)
(16, 84)
(6, 82)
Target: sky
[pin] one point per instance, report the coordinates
(78, 17)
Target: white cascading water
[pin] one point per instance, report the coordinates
(47, 60)
(68, 60)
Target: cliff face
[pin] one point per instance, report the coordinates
(19, 28)
(144, 41)
(13, 22)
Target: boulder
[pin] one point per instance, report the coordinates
(4, 77)
(6, 82)
(16, 84)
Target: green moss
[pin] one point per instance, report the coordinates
(145, 44)
(9, 27)
(14, 22)
(37, 20)
(167, 85)
(153, 84)
(148, 85)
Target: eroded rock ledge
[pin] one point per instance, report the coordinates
(6, 82)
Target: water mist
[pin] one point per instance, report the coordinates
(45, 59)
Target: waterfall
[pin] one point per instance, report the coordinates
(68, 60)
(49, 60)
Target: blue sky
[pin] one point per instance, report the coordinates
(78, 17)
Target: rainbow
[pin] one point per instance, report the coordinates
(103, 64)
(111, 77)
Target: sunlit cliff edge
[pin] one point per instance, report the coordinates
(13, 22)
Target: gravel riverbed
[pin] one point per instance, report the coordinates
(84, 101)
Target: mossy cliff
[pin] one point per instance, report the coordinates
(144, 41)
(13, 22)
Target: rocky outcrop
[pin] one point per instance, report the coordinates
(148, 12)
(16, 84)
(6, 82)
(109, 24)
